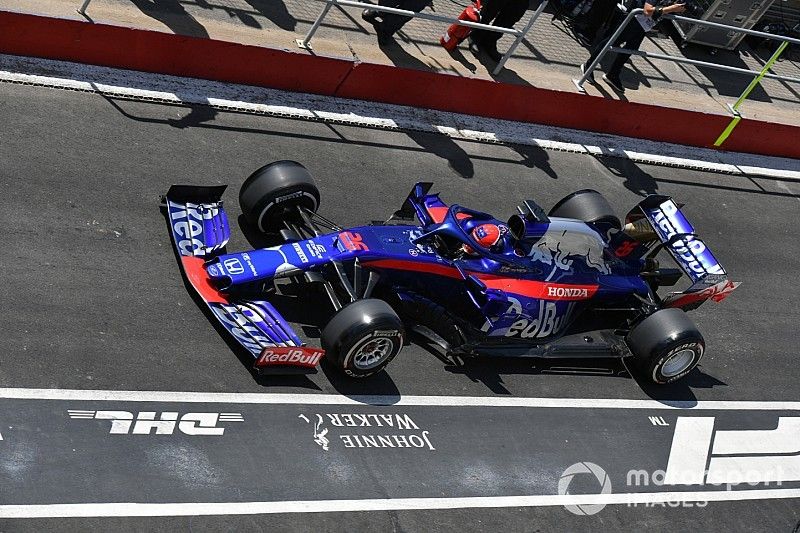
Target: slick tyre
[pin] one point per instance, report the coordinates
(587, 205)
(666, 346)
(363, 337)
(275, 191)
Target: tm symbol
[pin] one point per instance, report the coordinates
(658, 421)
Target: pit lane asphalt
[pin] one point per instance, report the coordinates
(93, 297)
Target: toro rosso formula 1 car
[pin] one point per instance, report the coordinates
(571, 282)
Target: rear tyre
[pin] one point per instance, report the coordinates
(666, 346)
(363, 337)
(589, 206)
(274, 191)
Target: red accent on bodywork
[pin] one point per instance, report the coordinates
(534, 289)
(717, 293)
(198, 277)
(438, 213)
(539, 289)
(290, 355)
(426, 268)
(625, 248)
(352, 241)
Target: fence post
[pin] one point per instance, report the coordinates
(735, 107)
(305, 42)
(589, 68)
(82, 9)
(520, 36)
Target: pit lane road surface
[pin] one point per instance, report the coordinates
(94, 300)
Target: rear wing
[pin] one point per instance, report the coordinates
(199, 228)
(657, 223)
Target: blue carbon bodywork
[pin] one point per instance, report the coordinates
(534, 296)
(541, 278)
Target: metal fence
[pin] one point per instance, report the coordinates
(306, 41)
(519, 34)
(632, 14)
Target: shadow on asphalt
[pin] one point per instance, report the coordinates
(172, 14)
(635, 179)
(273, 10)
(535, 157)
(459, 56)
(490, 372)
(381, 384)
(400, 57)
(681, 392)
(446, 148)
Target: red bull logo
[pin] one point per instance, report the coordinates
(296, 356)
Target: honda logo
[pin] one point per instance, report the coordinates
(233, 266)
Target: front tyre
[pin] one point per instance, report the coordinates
(666, 346)
(275, 191)
(363, 337)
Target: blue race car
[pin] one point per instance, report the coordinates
(571, 282)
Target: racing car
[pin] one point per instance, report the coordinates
(574, 281)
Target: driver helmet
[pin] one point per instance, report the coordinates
(487, 235)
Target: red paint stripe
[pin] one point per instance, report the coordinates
(539, 289)
(198, 277)
(438, 213)
(523, 103)
(167, 53)
(533, 289)
(414, 266)
(150, 51)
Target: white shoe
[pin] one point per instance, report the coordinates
(590, 77)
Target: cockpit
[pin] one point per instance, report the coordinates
(526, 242)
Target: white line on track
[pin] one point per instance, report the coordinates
(389, 504)
(423, 401)
(241, 98)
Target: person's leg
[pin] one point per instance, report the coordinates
(598, 14)
(510, 13)
(600, 44)
(370, 15)
(392, 23)
(489, 10)
(632, 38)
